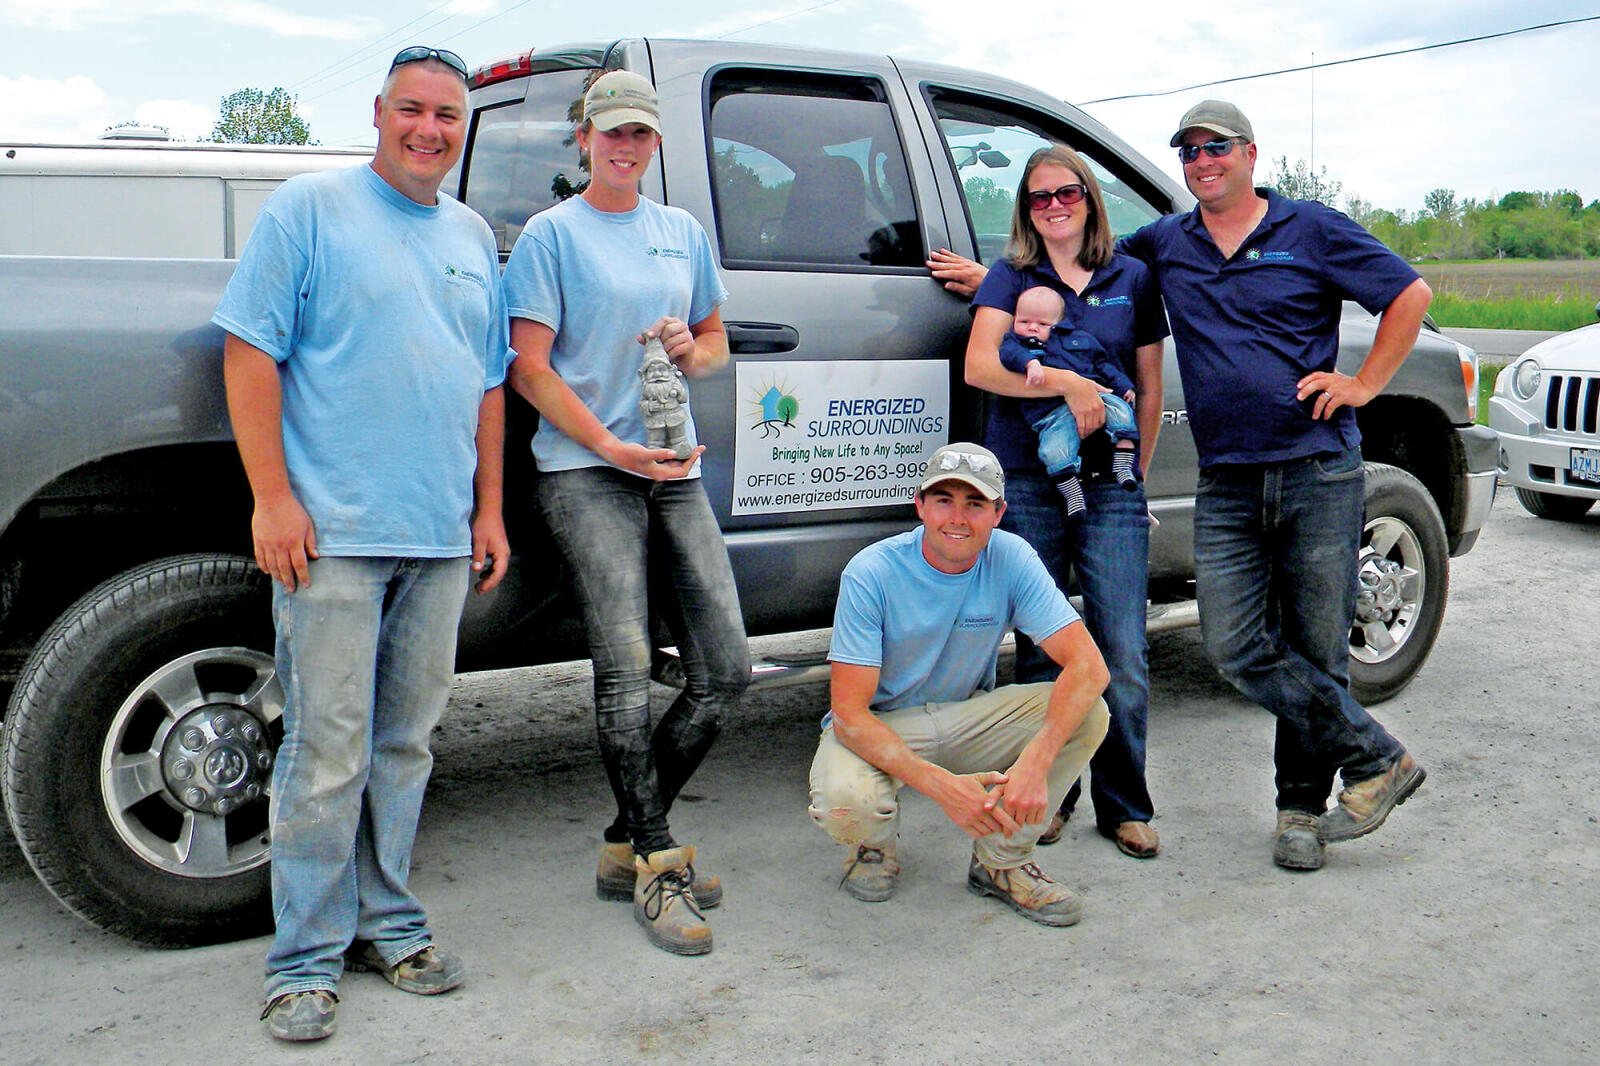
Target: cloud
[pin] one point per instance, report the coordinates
(187, 121)
(74, 15)
(51, 109)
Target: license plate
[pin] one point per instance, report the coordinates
(1585, 464)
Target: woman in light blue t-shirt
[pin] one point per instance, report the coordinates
(586, 281)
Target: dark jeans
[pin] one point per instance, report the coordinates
(1275, 569)
(1109, 548)
(632, 545)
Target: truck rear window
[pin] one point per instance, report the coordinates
(525, 154)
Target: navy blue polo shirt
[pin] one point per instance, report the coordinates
(1120, 306)
(1250, 327)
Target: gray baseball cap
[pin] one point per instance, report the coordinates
(1218, 116)
(970, 464)
(620, 97)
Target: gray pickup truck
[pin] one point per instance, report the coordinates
(140, 735)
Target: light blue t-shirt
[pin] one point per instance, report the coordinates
(935, 637)
(599, 279)
(387, 322)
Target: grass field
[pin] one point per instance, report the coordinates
(1514, 293)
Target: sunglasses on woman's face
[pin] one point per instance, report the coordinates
(1066, 196)
(1188, 153)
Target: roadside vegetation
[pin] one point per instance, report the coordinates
(1529, 260)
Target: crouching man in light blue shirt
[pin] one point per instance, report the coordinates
(916, 637)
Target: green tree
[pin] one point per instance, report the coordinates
(251, 116)
(1299, 183)
(1441, 204)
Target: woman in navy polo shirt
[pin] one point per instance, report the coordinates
(1060, 237)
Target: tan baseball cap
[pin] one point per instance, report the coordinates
(970, 464)
(620, 97)
(1218, 116)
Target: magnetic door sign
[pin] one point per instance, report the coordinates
(824, 435)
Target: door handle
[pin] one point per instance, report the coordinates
(759, 338)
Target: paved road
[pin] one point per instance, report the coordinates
(1500, 345)
(1464, 931)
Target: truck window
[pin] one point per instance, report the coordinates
(807, 170)
(989, 143)
(525, 154)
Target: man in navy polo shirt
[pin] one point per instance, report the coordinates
(1253, 283)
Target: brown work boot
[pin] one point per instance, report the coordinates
(1058, 825)
(1295, 844)
(869, 873)
(664, 905)
(1027, 891)
(1364, 805)
(615, 878)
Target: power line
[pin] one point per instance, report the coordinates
(776, 18)
(342, 64)
(1342, 62)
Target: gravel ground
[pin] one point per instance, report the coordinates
(1464, 931)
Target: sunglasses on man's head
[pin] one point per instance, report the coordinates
(417, 53)
(1188, 153)
(1066, 196)
(976, 463)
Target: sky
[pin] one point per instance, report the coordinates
(1483, 119)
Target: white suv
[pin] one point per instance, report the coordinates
(1546, 408)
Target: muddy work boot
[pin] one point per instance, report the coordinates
(664, 904)
(1027, 891)
(1364, 805)
(1295, 844)
(301, 1015)
(428, 971)
(615, 877)
(869, 873)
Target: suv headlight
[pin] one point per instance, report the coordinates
(1525, 379)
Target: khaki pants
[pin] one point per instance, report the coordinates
(856, 803)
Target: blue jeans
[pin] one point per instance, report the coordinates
(1109, 548)
(1275, 569)
(1059, 440)
(365, 653)
(634, 545)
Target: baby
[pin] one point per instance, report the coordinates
(1037, 340)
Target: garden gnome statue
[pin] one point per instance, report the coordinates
(662, 396)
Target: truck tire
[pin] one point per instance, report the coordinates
(1403, 580)
(1549, 505)
(138, 752)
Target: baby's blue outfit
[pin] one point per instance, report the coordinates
(1079, 351)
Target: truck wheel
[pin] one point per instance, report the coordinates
(1403, 579)
(139, 749)
(1549, 505)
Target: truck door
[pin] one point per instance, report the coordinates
(819, 197)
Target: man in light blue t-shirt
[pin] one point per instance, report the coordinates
(367, 343)
(916, 637)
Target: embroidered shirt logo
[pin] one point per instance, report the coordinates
(1253, 254)
(1092, 301)
(987, 621)
(666, 253)
(455, 273)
